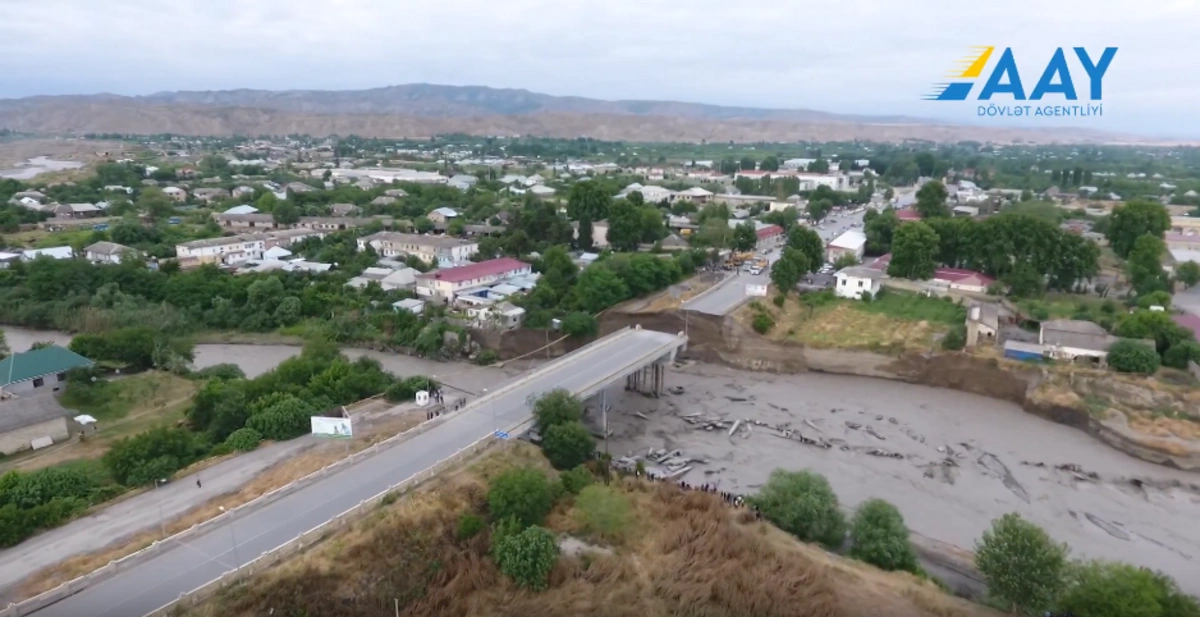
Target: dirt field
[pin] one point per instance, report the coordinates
(950, 461)
(678, 553)
(63, 149)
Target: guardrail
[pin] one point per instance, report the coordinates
(316, 534)
(114, 567)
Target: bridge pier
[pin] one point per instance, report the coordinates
(649, 380)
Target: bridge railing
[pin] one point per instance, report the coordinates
(156, 548)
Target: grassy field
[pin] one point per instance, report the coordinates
(122, 407)
(896, 321)
(1065, 306)
(669, 552)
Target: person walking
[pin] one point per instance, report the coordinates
(198, 483)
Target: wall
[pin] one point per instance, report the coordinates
(18, 440)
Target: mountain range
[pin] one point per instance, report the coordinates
(423, 110)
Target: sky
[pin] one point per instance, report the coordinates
(874, 57)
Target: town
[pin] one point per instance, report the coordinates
(188, 323)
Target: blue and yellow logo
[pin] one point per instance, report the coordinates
(1005, 78)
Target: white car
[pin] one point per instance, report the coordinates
(755, 271)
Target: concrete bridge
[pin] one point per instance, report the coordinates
(183, 565)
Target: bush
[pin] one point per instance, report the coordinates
(955, 339)
(1179, 354)
(803, 504)
(762, 323)
(522, 494)
(580, 325)
(575, 479)
(1108, 589)
(406, 390)
(527, 557)
(469, 525)
(568, 445)
(1129, 356)
(556, 407)
(154, 454)
(602, 511)
(880, 538)
(1023, 567)
(778, 300)
(220, 371)
(244, 439)
(486, 357)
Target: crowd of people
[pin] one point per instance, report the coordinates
(733, 499)
(437, 396)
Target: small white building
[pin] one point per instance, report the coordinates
(852, 243)
(430, 249)
(854, 281)
(446, 285)
(412, 305)
(109, 253)
(54, 252)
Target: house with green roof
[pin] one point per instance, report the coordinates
(30, 371)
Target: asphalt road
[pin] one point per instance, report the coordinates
(731, 293)
(153, 584)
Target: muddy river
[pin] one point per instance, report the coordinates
(950, 461)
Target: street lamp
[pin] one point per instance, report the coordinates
(162, 524)
(236, 560)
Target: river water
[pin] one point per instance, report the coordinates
(37, 166)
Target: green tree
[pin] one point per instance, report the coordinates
(599, 288)
(456, 228)
(747, 163)
(931, 200)
(771, 163)
(819, 166)
(522, 494)
(745, 237)
(810, 244)
(286, 213)
(788, 269)
(1145, 265)
(1129, 356)
(423, 224)
(1023, 567)
(879, 231)
(244, 439)
(762, 323)
(879, 537)
(603, 511)
(803, 504)
(154, 203)
(584, 239)
(1108, 589)
(1131, 221)
(1024, 281)
(568, 445)
(590, 199)
(818, 209)
(914, 248)
(1188, 273)
(575, 479)
(556, 407)
(624, 226)
(4, 350)
(580, 325)
(527, 557)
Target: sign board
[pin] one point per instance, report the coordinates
(756, 290)
(500, 435)
(333, 427)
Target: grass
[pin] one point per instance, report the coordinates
(683, 553)
(1070, 306)
(894, 322)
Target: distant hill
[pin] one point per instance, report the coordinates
(422, 110)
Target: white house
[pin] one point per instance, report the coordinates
(852, 282)
(109, 253)
(54, 252)
(443, 215)
(430, 249)
(227, 250)
(412, 305)
(851, 243)
(446, 284)
(175, 193)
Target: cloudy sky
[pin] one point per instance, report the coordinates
(849, 56)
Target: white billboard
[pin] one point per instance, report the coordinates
(756, 290)
(333, 427)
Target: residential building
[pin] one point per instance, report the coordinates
(224, 250)
(442, 215)
(26, 372)
(242, 191)
(769, 237)
(80, 210)
(109, 253)
(242, 209)
(983, 324)
(383, 200)
(851, 243)
(412, 305)
(298, 187)
(541, 190)
(209, 195)
(430, 249)
(462, 182)
(962, 280)
(503, 315)
(175, 193)
(599, 233)
(445, 285)
(330, 223)
(256, 220)
(31, 422)
(1073, 339)
(54, 252)
(855, 281)
(7, 259)
(343, 209)
(695, 195)
(396, 193)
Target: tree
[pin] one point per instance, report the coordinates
(914, 247)
(787, 271)
(568, 445)
(588, 199)
(771, 163)
(584, 239)
(1023, 567)
(879, 537)
(580, 325)
(810, 244)
(154, 203)
(556, 407)
(575, 479)
(286, 213)
(423, 224)
(715, 233)
(931, 200)
(1144, 265)
(603, 511)
(4, 350)
(1129, 356)
(1109, 589)
(1188, 273)
(747, 163)
(785, 218)
(522, 494)
(803, 504)
(819, 166)
(818, 209)
(1131, 221)
(1155, 325)
(456, 227)
(624, 226)
(1024, 281)
(879, 230)
(599, 288)
(745, 237)
(527, 557)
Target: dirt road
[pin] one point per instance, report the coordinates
(950, 461)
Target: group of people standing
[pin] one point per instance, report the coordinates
(437, 396)
(733, 499)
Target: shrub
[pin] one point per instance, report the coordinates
(244, 439)
(1023, 567)
(522, 494)
(602, 511)
(1179, 354)
(568, 445)
(156, 453)
(556, 407)
(803, 504)
(486, 357)
(580, 325)
(778, 300)
(880, 537)
(575, 479)
(469, 525)
(955, 339)
(527, 557)
(1108, 589)
(762, 323)
(220, 371)
(1133, 357)
(406, 389)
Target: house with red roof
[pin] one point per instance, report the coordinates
(446, 284)
(959, 279)
(769, 237)
(908, 214)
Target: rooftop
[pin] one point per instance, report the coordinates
(395, 237)
(38, 362)
(861, 272)
(474, 271)
(19, 412)
(852, 240)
